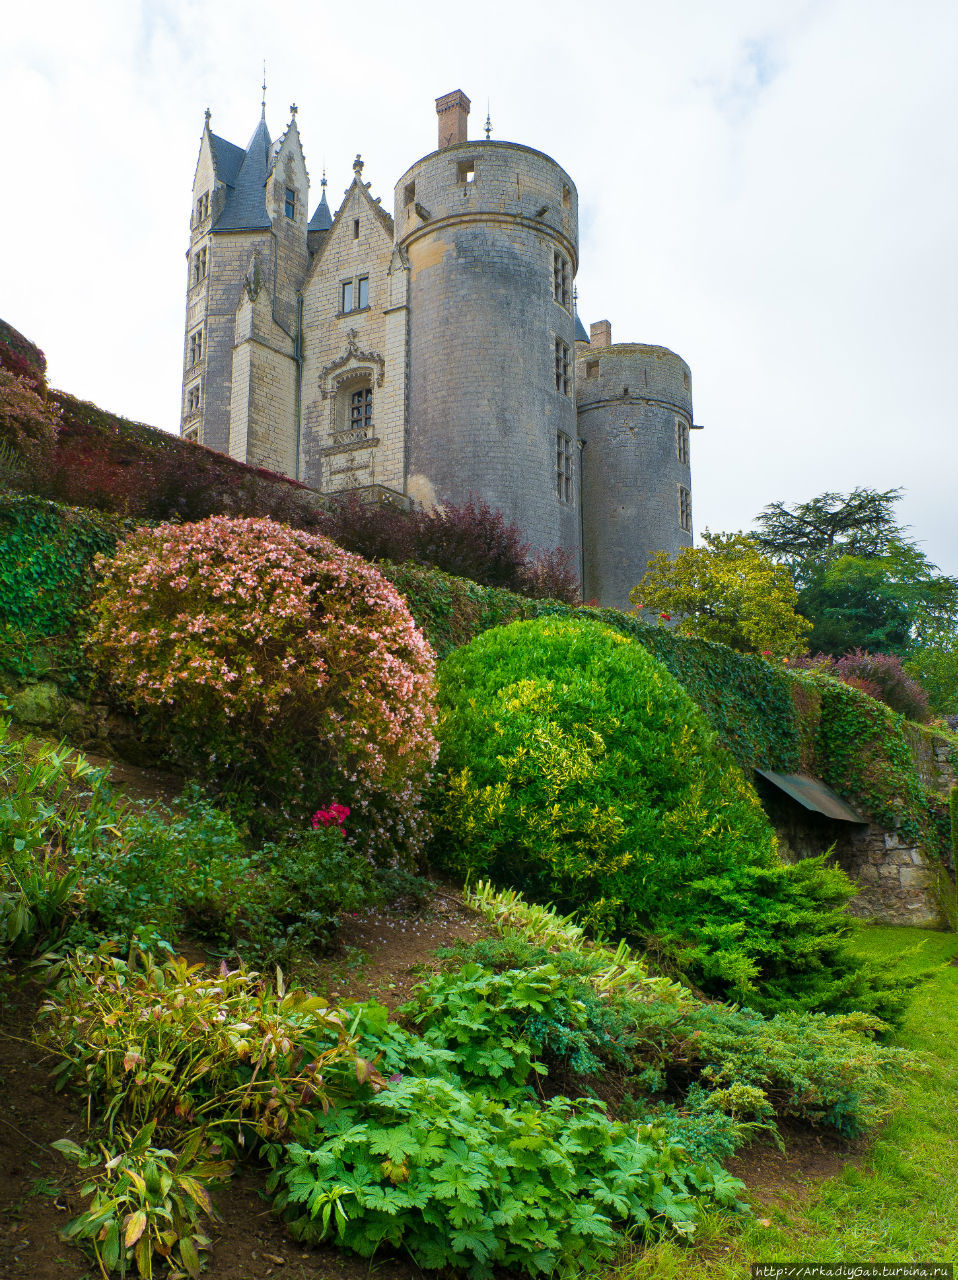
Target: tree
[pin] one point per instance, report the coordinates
(810, 534)
(861, 582)
(726, 591)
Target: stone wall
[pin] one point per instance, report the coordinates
(898, 883)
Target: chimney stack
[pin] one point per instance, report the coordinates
(600, 334)
(453, 112)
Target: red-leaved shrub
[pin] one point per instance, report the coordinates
(28, 427)
(880, 675)
(282, 668)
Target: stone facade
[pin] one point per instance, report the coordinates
(435, 354)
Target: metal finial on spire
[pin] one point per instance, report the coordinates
(323, 180)
(209, 114)
(575, 295)
(293, 108)
(488, 121)
(264, 88)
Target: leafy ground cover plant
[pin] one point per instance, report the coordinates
(280, 666)
(146, 1203)
(712, 1071)
(462, 1180)
(169, 1044)
(577, 770)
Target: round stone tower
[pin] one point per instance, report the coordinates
(635, 415)
(490, 230)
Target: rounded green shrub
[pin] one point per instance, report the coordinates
(576, 769)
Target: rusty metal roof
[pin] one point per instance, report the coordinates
(814, 795)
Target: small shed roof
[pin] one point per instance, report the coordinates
(813, 795)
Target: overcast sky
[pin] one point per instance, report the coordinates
(768, 187)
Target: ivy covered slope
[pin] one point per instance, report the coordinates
(765, 715)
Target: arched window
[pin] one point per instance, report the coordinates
(353, 417)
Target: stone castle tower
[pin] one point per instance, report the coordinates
(434, 354)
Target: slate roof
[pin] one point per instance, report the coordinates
(580, 333)
(245, 208)
(322, 219)
(227, 157)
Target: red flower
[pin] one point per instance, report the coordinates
(666, 617)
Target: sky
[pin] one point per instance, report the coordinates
(768, 187)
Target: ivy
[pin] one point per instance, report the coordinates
(46, 581)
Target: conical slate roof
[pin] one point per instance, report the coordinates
(322, 219)
(245, 208)
(580, 333)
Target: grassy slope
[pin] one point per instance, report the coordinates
(900, 1203)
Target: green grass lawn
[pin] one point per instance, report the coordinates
(899, 1203)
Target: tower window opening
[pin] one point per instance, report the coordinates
(563, 377)
(563, 467)
(591, 368)
(347, 295)
(290, 203)
(203, 208)
(560, 285)
(466, 170)
(355, 228)
(192, 432)
(199, 266)
(685, 509)
(682, 441)
(410, 195)
(361, 410)
(362, 292)
(196, 346)
(566, 197)
(193, 400)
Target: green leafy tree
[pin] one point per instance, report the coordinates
(862, 583)
(727, 591)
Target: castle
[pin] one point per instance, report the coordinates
(433, 354)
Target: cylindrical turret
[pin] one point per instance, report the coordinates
(491, 234)
(635, 414)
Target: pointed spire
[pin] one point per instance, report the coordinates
(322, 219)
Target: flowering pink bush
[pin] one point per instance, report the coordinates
(335, 815)
(277, 664)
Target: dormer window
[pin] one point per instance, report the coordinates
(290, 203)
(203, 208)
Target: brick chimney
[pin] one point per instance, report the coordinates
(453, 113)
(600, 334)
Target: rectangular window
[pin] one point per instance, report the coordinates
(347, 298)
(591, 368)
(362, 292)
(199, 266)
(290, 203)
(196, 346)
(682, 441)
(192, 431)
(203, 208)
(193, 400)
(685, 509)
(466, 170)
(563, 376)
(355, 228)
(560, 267)
(361, 409)
(410, 196)
(564, 458)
